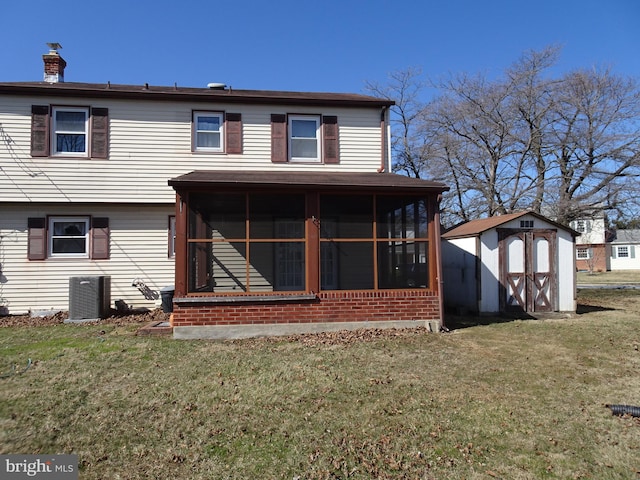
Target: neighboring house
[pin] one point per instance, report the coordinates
(592, 251)
(516, 263)
(625, 250)
(269, 211)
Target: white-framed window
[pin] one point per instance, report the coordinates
(68, 237)
(582, 226)
(583, 253)
(172, 236)
(208, 131)
(70, 131)
(304, 138)
(623, 251)
(526, 223)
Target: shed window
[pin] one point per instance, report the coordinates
(526, 223)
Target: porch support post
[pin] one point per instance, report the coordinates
(312, 259)
(181, 246)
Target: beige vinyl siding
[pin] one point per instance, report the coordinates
(150, 142)
(139, 250)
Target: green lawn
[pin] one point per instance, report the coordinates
(625, 277)
(510, 400)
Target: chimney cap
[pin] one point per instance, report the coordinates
(54, 47)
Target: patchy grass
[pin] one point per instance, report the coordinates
(517, 400)
(624, 277)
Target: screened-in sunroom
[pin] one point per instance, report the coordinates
(267, 253)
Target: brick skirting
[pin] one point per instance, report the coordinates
(327, 307)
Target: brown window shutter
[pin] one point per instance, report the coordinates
(40, 130)
(278, 138)
(100, 132)
(37, 239)
(330, 139)
(233, 126)
(99, 238)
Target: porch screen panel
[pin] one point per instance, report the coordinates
(346, 242)
(245, 242)
(265, 211)
(351, 216)
(403, 264)
(403, 246)
(200, 267)
(355, 265)
(229, 266)
(223, 214)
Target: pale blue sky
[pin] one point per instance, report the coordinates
(302, 45)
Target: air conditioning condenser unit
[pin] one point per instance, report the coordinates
(89, 298)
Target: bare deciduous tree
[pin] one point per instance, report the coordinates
(559, 146)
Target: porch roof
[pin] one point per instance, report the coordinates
(381, 182)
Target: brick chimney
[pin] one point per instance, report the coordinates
(54, 64)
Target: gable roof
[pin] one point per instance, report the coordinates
(475, 228)
(627, 236)
(175, 93)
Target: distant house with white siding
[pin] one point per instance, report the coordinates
(625, 250)
(272, 211)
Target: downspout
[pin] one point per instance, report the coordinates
(385, 140)
(438, 238)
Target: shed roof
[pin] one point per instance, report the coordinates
(474, 228)
(293, 180)
(176, 93)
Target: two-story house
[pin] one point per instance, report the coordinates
(592, 250)
(270, 212)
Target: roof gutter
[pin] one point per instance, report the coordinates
(147, 92)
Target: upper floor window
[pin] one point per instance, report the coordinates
(70, 131)
(208, 131)
(582, 226)
(304, 138)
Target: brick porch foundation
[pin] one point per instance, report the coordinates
(260, 315)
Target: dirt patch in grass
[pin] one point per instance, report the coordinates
(141, 316)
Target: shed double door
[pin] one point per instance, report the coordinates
(528, 280)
